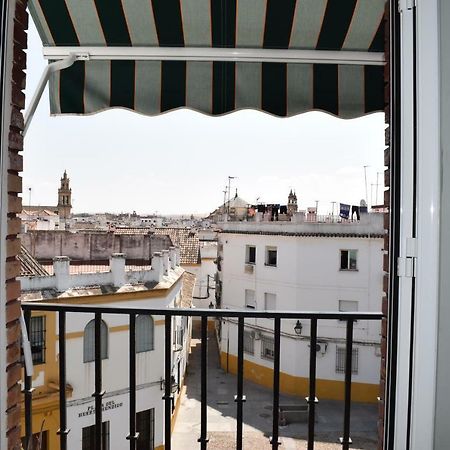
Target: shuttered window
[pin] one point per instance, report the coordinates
(144, 333)
(89, 341)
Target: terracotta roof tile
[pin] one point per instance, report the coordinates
(29, 266)
(187, 240)
(188, 289)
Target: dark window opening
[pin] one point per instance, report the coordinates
(88, 437)
(349, 260)
(251, 254)
(271, 256)
(145, 426)
(39, 441)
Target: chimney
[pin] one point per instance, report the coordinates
(117, 268)
(165, 258)
(61, 269)
(173, 257)
(157, 265)
(178, 252)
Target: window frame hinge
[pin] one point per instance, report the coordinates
(407, 265)
(406, 5)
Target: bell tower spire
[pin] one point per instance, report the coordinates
(64, 197)
(292, 205)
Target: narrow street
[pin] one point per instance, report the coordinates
(258, 413)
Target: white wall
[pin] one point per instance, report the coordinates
(149, 371)
(307, 278)
(208, 252)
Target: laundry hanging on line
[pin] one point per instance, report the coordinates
(344, 210)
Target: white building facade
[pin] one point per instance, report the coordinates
(303, 267)
(165, 285)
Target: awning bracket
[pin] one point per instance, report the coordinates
(53, 67)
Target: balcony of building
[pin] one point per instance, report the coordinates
(277, 412)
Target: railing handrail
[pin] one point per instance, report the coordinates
(198, 312)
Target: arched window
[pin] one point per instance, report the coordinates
(144, 333)
(89, 341)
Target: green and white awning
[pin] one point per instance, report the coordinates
(284, 57)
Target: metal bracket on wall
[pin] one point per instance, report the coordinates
(51, 68)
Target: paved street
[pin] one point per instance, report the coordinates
(258, 413)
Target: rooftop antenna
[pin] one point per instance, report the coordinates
(224, 199)
(229, 190)
(29, 201)
(371, 194)
(332, 208)
(376, 195)
(365, 182)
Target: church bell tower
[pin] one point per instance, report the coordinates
(292, 205)
(64, 198)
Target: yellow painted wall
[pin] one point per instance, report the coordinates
(46, 397)
(289, 384)
(45, 417)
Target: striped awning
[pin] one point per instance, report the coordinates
(215, 87)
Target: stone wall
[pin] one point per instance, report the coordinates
(92, 246)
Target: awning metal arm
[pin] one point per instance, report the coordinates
(63, 63)
(256, 55)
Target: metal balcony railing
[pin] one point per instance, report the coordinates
(204, 314)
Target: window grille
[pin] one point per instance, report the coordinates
(267, 347)
(340, 360)
(145, 426)
(36, 337)
(89, 341)
(144, 333)
(249, 342)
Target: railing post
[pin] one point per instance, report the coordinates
(203, 439)
(99, 392)
(133, 436)
(240, 398)
(63, 431)
(168, 397)
(276, 384)
(28, 391)
(345, 439)
(312, 399)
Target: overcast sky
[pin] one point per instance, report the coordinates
(178, 163)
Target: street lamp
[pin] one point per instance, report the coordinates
(298, 328)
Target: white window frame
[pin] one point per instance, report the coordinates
(248, 304)
(424, 89)
(349, 252)
(264, 341)
(104, 331)
(266, 294)
(247, 254)
(142, 345)
(344, 306)
(270, 248)
(341, 356)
